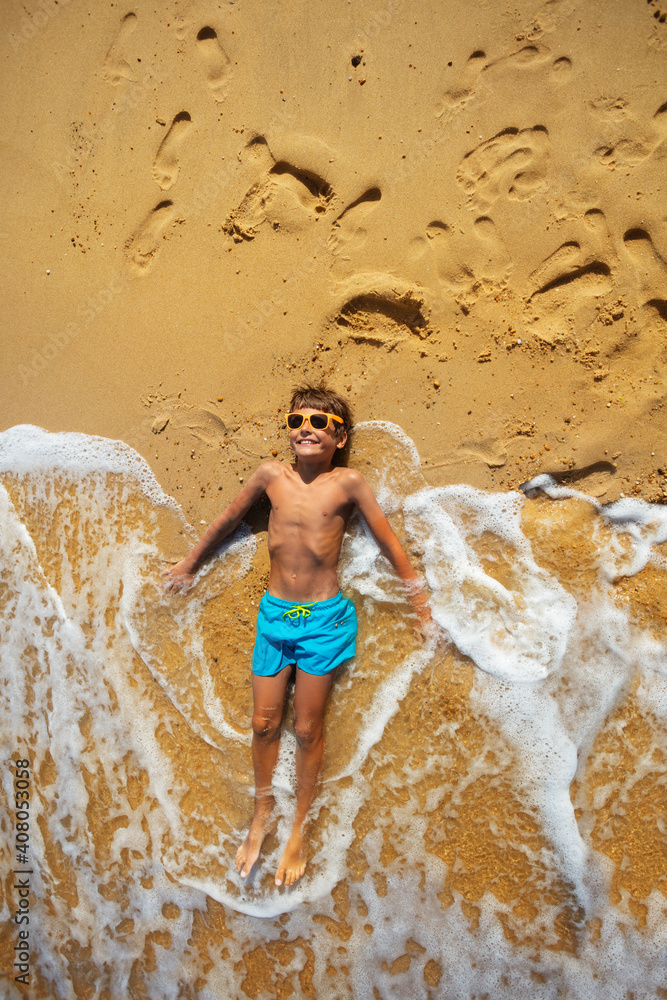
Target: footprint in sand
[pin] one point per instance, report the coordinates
(490, 450)
(651, 269)
(640, 141)
(568, 274)
(287, 197)
(166, 166)
(599, 249)
(347, 232)
(561, 69)
(216, 62)
(144, 244)
(626, 153)
(512, 163)
(116, 65)
(658, 10)
(257, 155)
(529, 57)
(469, 264)
(458, 95)
(378, 309)
(204, 424)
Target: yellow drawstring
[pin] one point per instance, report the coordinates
(298, 609)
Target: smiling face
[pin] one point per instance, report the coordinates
(307, 442)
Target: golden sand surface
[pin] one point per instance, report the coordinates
(464, 229)
(457, 215)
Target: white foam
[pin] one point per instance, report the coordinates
(516, 632)
(645, 524)
(395, 432)
(26, 449)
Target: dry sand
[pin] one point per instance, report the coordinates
(466, 231)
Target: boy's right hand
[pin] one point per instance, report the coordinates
(178, 578)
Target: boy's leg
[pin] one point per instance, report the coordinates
(269, 699)
(310, 695)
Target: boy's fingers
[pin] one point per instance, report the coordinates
(177, 585)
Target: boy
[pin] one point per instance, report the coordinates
(303, 620)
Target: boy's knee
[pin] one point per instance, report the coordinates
(266, 727)
(307, 731)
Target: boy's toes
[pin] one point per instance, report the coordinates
(243, 866)
(289, 874)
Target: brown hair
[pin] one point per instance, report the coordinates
(319, 397)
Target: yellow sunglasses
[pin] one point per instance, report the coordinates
(318, 421)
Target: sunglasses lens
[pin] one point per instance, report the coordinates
(319, 421)
(294, 421)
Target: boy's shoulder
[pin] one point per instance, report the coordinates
(349, 475)
(271, 469)
(350, 479)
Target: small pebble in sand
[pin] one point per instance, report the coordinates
(48, 272)
(274, 452)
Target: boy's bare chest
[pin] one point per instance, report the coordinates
(312, 506)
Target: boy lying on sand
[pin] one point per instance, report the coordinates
(303, 619)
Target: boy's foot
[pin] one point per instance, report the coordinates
(248, 852)
(293, 863)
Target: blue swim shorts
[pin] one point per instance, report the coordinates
(317, 636)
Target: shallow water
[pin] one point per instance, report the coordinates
(491, 815)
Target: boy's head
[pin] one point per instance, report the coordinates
(324, 400)
(320, 397)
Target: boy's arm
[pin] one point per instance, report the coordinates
(389, 544)
(181, 576)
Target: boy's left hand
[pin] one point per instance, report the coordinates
(177, 578)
